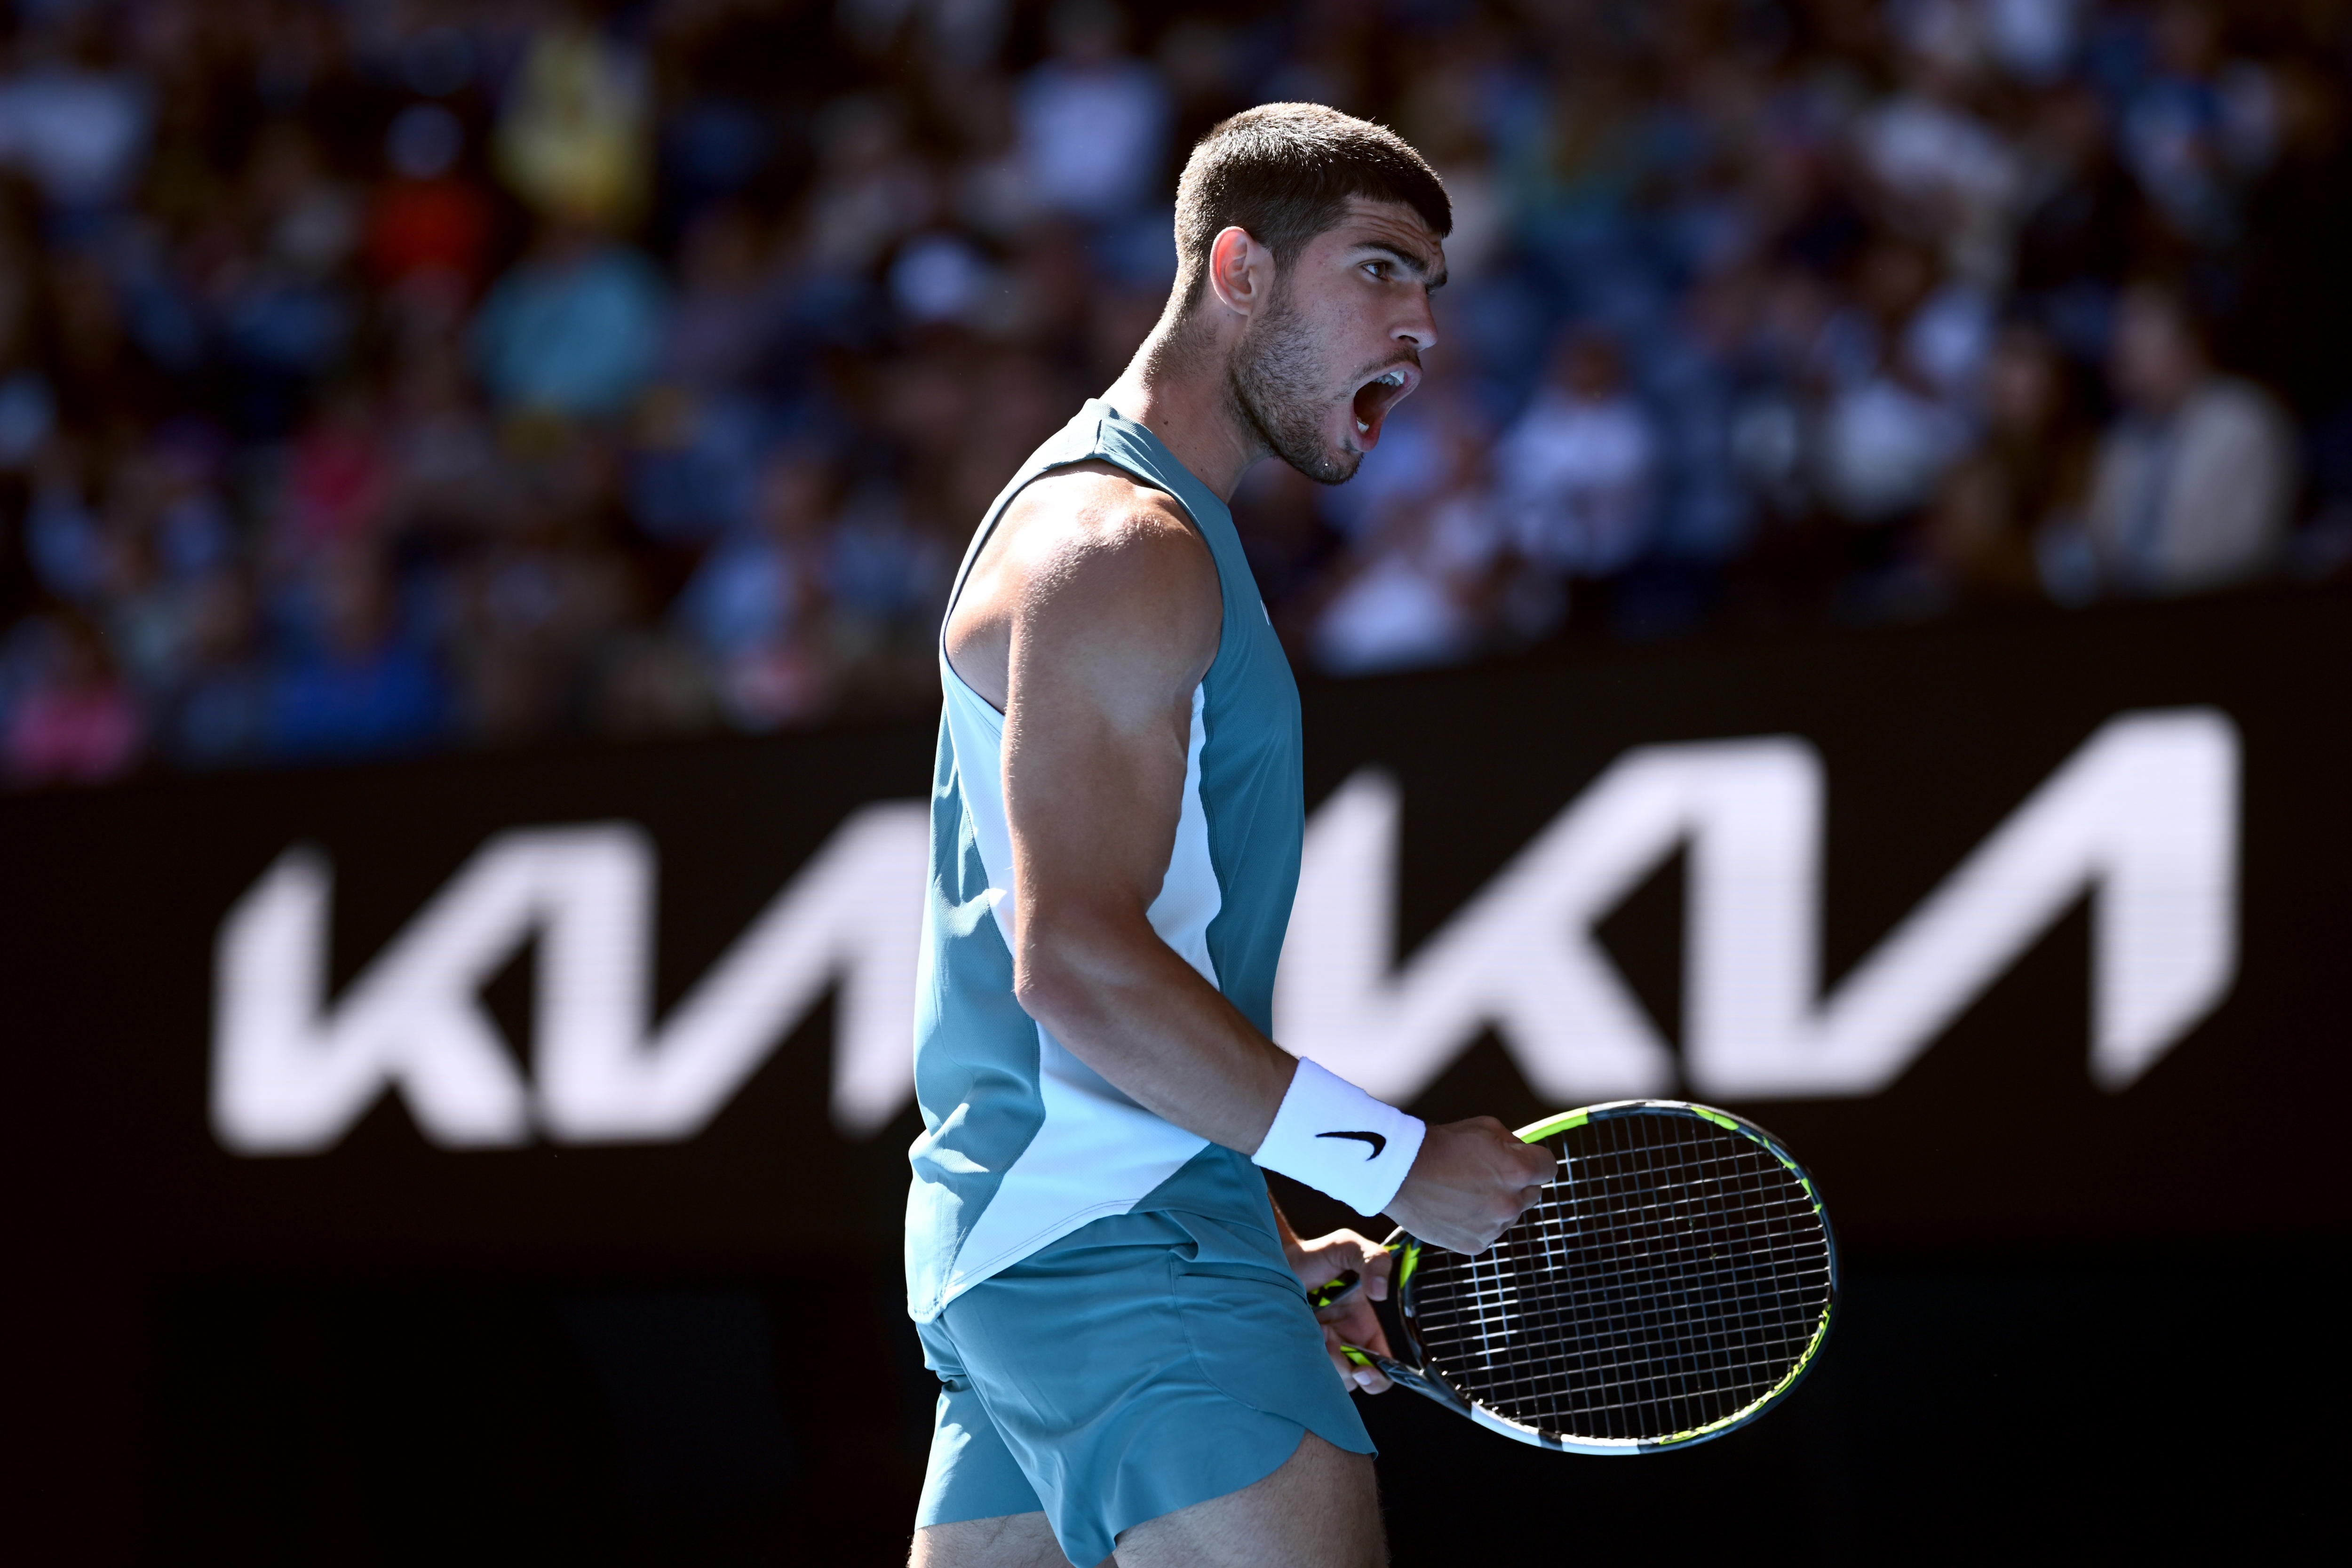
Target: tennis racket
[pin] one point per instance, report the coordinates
(1675, 1280)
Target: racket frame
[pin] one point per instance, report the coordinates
(1431, 1384)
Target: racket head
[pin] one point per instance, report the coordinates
(1677, 1278)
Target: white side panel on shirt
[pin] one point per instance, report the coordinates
(1098, 1152)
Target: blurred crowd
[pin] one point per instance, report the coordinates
(385, 375)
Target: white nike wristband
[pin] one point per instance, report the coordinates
(1338, 1140)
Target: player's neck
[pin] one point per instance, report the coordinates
(1180, 396)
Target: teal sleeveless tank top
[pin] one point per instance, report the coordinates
(1022, 1142)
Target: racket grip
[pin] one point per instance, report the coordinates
(1331, 1292)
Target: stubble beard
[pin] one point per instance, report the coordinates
(1276, 384)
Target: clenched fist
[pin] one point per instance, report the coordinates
(1469, 1182)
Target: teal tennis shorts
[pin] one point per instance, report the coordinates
(1143, 1363)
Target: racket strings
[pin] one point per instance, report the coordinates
(1670, 1277)
(1498, 1300)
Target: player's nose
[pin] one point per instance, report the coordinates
(1418, 326)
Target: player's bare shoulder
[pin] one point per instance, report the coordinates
(1087, 554)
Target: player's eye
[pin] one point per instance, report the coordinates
(1379, 269)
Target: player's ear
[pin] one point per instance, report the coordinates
(1241, 271)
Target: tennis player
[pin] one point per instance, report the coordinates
(1115, 1309)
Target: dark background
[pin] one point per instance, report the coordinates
(2073, 1319)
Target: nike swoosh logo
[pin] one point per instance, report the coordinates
(1378, 1141)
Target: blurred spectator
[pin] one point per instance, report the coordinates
(1420, 587)
(72, 119)
(1946, 171)
(73, 720)
(871, 191)
(1417, 597)
(1576, 474)
(574, 330)
(2032, 472)
(575, 138)
(448, 474)
(220, 712)
(727, 308)
(2034, 40)
(1094, 121)
(338, 484)
(2197, 126)
(363, 686)
(2080, 214)
(753, 605)
(429, 234)
(1893, 425)
(2195, 483)
(530, 614)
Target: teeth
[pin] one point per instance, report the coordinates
(1393, 378)
(1362, 428)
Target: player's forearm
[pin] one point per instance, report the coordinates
(1125, 1003)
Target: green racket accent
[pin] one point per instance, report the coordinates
(1331, 1292)
(1537, 1132)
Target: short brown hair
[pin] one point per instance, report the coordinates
(1286, 172)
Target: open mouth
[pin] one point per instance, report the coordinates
(1376, 397)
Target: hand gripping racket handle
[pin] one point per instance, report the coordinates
(1331, 1292)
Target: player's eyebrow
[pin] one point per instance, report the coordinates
(1416, 265)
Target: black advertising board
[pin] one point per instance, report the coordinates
(2023, 934)
(1872, 774)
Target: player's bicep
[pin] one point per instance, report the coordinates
(1106, 652)
(1092, 798)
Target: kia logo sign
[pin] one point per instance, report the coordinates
(2142, 818)
(291, 1074)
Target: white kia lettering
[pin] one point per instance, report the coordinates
(291, 1074)
(2144, 817)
